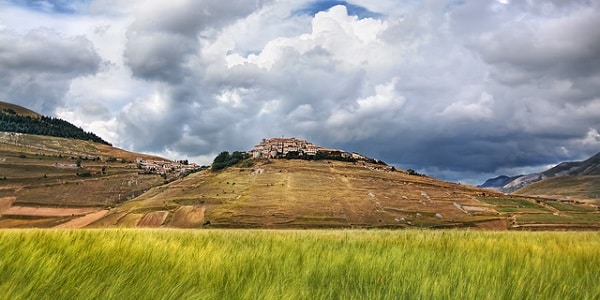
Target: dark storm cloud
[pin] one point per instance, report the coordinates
(543, 77)
(164, 44)
(468, 88)
(37, 68)
(163, 36)
(459, 90)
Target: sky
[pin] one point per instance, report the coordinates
(459, 90)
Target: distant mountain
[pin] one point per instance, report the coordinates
(14, 118)
(499, 181)
(506, 184)
(590, 166)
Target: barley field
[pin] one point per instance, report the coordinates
(297, 264)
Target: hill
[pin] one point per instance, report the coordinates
(499, 181)
(588, 168)
(296, 193)
(14, 118)
(575, 181)
(67, 183)
(49, 181)
(582, 188)
(13, 109)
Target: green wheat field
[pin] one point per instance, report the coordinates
(297, 264)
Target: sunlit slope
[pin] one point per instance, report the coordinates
(312, 194)
(576, 188)
(41, 186)
(577, 181)
(17, 109)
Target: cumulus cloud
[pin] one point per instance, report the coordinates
(164, 35)
(37, 68)
(455, 89)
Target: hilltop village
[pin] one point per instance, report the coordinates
(300, 149)
(163, 167)
(285, 147)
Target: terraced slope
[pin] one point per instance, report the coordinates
(41, 185)
(330, 194)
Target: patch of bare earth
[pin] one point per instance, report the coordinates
(188, 216)
(47, 211)
(500, 224)
(84, 221)
(6, 203)
(154, 219)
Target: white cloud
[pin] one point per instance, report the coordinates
(459, 87)
(592, 137)
(477, 109)
(364, 118)
(348, 39)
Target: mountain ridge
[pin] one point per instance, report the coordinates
(510, 184)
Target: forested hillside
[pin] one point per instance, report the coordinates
(11, 121)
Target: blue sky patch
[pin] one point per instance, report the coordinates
(354, 10)
(53, 6)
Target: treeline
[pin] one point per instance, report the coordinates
(11, 122)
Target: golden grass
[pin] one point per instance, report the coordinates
(326, 264)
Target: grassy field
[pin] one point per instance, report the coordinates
(327, 264)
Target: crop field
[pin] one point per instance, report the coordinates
(295, 264)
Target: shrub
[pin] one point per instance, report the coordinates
(84, 174)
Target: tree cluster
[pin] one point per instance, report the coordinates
(11, 122)
(224, 159)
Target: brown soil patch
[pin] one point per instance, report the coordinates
(6, 203)
(8, 222)
(188, 217)
(129, 220)
(500, 224)
(84, 221)
(154, 219)
(47, 211)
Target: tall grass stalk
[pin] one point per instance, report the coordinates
(329, 264)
